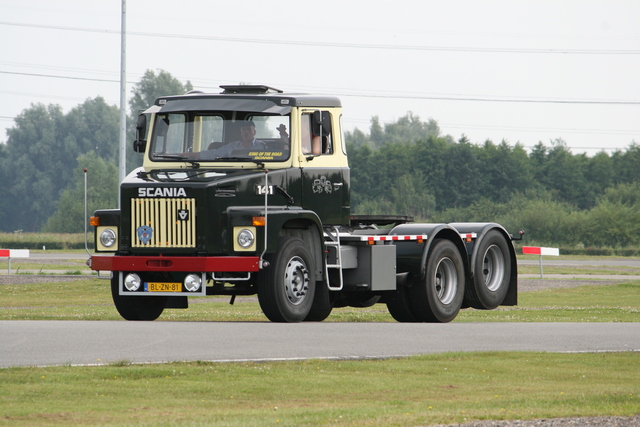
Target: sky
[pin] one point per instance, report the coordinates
(520, 71)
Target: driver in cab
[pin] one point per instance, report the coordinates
(247, 142)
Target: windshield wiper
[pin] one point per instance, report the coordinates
(185, 159)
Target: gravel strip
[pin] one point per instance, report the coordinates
(555, 422)
(27, 279)
(527, 285)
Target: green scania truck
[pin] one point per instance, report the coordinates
(246, 192)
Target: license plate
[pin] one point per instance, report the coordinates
(163, 287)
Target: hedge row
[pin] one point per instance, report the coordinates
(39, 244)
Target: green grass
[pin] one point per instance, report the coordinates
(90, 299)
(592, 303)
(448, 388)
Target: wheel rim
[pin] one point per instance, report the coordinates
(493, 268)
(446, 280)
(296, 280)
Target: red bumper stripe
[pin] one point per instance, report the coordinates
(164, 263)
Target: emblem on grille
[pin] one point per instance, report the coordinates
(144, 234)
(183, 215)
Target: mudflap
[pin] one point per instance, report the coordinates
(177, 302)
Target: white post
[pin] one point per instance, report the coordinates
(532, 250)
(541, 277)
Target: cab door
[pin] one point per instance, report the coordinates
(325, 175)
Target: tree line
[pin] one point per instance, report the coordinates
(404, 167)
(556, 196)
(42, 161)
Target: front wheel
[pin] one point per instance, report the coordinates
(439, 296)
(321, 307)
(286, 289)
(136, 307)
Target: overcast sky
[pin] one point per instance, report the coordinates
(523, 71)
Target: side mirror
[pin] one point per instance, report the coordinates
(321, 123)
(140, 144)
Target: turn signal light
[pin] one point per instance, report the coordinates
(258, 221)
(94, 221)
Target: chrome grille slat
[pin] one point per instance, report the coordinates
(161, 214)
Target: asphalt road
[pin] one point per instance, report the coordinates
(35, 343)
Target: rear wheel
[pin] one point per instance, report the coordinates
(136, 307)
(399, 305)
(492, 272)
(439, 296)
(287, 288)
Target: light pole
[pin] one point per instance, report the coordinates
(123, 95)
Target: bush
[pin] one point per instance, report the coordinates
(52, 241)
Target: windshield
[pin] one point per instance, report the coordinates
(216, 137)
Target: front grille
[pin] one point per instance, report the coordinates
(163, 223)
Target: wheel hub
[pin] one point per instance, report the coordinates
(446, 280)
(493, 268)
(296, 280)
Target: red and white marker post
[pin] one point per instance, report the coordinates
(533, 250)
(13, 253)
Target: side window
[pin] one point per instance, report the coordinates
(321, 132)
(315, 132)
(344, 144)
(305, 134)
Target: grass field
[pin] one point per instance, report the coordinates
(411, 391)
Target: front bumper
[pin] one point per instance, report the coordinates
(174, 263)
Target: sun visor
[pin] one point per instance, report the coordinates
(217, 104)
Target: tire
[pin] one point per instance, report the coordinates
(136, 307)
(399, 305)
(492, 272)
(439, 295)
(286, 289)
(321, 307)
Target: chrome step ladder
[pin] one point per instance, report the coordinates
(333, 241)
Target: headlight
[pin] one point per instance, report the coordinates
(192, 282)
(245, 238)
(108, 238)
(132, 282)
